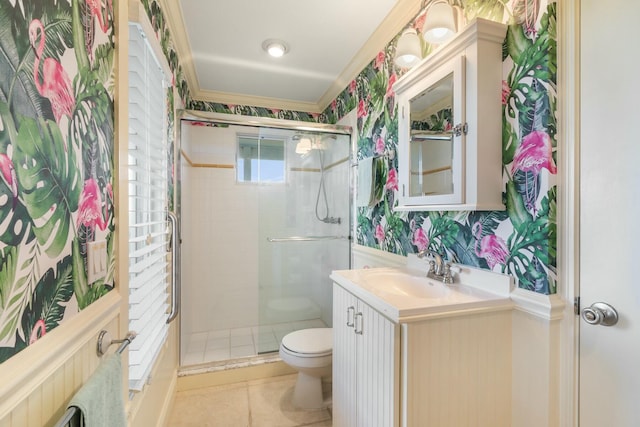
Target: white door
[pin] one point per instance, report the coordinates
(610, 210)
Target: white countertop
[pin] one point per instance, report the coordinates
(405, 294)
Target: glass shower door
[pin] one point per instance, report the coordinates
(304, 229)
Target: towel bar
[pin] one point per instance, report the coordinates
(104, 342)
(102, 347)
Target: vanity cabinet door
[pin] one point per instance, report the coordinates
(365, 364)
(344, 360)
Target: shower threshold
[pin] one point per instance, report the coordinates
(219, 350)
(224, 365)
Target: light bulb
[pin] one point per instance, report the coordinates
(276, 50)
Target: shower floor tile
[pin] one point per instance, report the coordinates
(243, 351)
(223, 344)
(217, 343)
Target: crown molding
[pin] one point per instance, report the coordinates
(175, 22)
(395, 21)
(255, 101)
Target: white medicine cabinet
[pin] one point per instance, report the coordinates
(450, 124)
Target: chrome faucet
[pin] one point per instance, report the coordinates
(439, 269)
(437, 263)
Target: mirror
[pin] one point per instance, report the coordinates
(431, 140)
(430, 148)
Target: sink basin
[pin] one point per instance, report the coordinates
(405, 293)
(398, 283)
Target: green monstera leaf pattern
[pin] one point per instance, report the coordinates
(56, 162)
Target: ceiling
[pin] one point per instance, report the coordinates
(219, 43)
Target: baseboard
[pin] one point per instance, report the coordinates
(167, 407)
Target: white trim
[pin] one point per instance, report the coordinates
(169, 399)
(402, 13)
(569, 203)
(138, 15)
(377, 257)
(547, 307)
(255, 101)
(27, 371)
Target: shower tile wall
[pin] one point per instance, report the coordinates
(220, 262)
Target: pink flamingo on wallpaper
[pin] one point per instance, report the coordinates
(532, 155)
(55, 86)
(95, 6)
(91, 206)
(9, 175)
(490, 247)
(38, 327)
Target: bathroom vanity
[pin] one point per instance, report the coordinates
(409, 351)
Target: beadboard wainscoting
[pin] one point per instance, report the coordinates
(460, 367)
(38, 383)
(536, 321)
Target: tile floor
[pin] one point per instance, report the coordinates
(217, 345)
(257, 403)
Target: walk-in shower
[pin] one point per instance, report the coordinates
(265, 212)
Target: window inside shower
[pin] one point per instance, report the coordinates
(260, 160)
(257, 256)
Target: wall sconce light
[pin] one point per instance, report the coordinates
(408, 49)
(439, 27)
(439, 23)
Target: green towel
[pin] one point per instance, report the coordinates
(100, 398)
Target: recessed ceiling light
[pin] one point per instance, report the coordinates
(275, 48)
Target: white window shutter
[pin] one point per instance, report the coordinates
(148, 236)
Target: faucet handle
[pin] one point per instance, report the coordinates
(432, 266)
(447, 277)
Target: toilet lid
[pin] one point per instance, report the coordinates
(309, 341)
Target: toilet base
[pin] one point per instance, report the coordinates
(308, 392)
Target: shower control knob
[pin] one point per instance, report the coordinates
(600, 313)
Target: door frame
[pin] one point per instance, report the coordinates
(569, 205)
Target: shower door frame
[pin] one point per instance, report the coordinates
(266, 122)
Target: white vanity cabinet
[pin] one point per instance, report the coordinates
(410, 352)
(365, 364)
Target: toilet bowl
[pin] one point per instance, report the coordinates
(308, 351)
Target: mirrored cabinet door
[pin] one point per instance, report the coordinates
(431, 164)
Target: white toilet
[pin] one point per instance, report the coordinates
(309, 352)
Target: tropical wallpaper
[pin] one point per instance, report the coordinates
(56, 155)
(56, 162)
(520, 241)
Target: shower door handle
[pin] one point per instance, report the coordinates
(174, 247)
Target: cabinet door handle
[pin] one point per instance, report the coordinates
(350, 312)
(356, 317)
